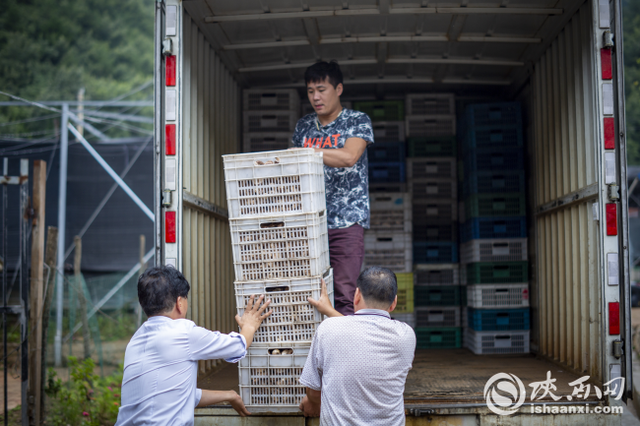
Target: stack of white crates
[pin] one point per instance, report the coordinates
(278, 222)
(269, 118)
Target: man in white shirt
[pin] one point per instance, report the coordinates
(161, 360)
(357, 365)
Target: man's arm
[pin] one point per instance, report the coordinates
(346, 156)
(323, 305)
(311, 403)
(210, 397)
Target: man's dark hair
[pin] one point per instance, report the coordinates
(159, 288)
(321, 70)
(378, 286)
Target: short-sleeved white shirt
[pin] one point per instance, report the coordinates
(361, 363)
(161, 370)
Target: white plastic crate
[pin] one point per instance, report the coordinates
(423, 126)
(307, 108)
(434, 189)
(498, 295)
(390, 211)
(496, 342)
(388, 131)
(387, 187)
(436, 167)
(409, 319)
(430, 104)
(255, 142)
(437, 274)
(265, 99)
(435, 212)
(280, 247)
(388, 250)
(494, 250)
(441, 316)
(270, 381)
(293, 319)
(274, 183)
(269, 121)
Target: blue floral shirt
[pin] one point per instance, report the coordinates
(347, 188)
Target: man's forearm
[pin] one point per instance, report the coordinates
(314, 396)
(210, 397)
(338, 157)
(248, 333)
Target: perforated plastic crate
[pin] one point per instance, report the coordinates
(438, 337)
(494, 114)
(444, 316)
(489, 227)
(275, 100)
(293, 318)
(423, 231)
(433, 189)
(254, 142)
(269, 121)
(430, 104)
(498, 295)
(387, 172)
(434, 295)
(488, 159)
(381, 110)
(497, 343)
(278, 247)
(498, 319)
(490, 205)
(496, 273)
(307, 108)
(495, 250)
(409, 319)
(269, 381)
(433, 167)
(405, 295)
(387, 187)
(274, 183)
(436, 212)
(430, 125)
(383, 152)
(388, 250)
(388, 131)
(390, 212)
(435, 252)
(442, 146)
(504, 137)
(493, 182)
(443, 274)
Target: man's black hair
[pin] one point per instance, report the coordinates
(378, 285)
(159, 288)
(319, 71)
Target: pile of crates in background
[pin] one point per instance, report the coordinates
(278, 223)
(269, 118)
(493, 235)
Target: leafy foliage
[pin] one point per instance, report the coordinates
(631, 28)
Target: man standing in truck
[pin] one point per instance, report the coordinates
(342, 135)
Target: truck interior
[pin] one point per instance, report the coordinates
(538, 52)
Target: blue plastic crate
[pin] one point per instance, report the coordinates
(493, 115)
(489, 159)
(387, 172)
(498, 319)
(383, 152)
(493, 227)
(493, 182)
(435, 252)
(503, 137)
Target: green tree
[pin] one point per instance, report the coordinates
(631, 28)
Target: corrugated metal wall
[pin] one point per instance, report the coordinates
(566, 289)
(211, 107)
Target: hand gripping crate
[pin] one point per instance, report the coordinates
(498, 319)
(278, 247)
(496, 273)
(435, 252)
(493, 182)
(498, 295)
(409, 319)
(405, 295)
(388, 250)
(443, 316)
(381, 110)
(388, 131)
(442, 146)
(396, 187)
(493, 115)
(387, 172)
(433, 295)
(274, 183)
(269, 378)
(434, 167)
(254, 142)
(269, 121)
(271, 100)
(430, 104)
(430, 125)
(490, 205)
(496, 342)
(434, 212)
(390, 212)
(509, 250)
(490, 159)
(307, 108)
(443, 274)
(433, 189)
(293, 319)
(384, 152)
(438, 337)
(493, 227)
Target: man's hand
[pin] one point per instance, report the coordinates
(252, 317)
(238, 405)
(215, 397)
(308, 408)
(323, 305)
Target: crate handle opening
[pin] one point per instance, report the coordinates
(281, 351)
(267, 162)
(436, 312)
(269, 95)
(502, 290)
(383, 199)
(269, 139)
(501, 267)
(507, 337)
(384, 239)
(278, 288)
(502, 314)
(496, 132)
(272, 225)
(326, 274)
(501, 244)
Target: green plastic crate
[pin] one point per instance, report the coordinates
(445, 146)
(487, 205)
(438, 337)
(382, 110)
(497, 272)
(437, 295)
(405, 293)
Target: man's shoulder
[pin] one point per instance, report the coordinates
(307, 120)
(356, 116)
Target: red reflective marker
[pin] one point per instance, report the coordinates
(609, 133)
(170, 227)
(605, 60)
(170, 139)
(614, 318)
(612, 219)
(170, 70)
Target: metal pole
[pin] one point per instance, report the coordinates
(62, 218)
(5, 172)
(24, 289)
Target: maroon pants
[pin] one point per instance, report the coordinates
(346, 253)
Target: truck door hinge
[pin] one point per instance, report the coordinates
(607, 40)
(167, 47)
(617, 348)
(167, 198)
(614, 192)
